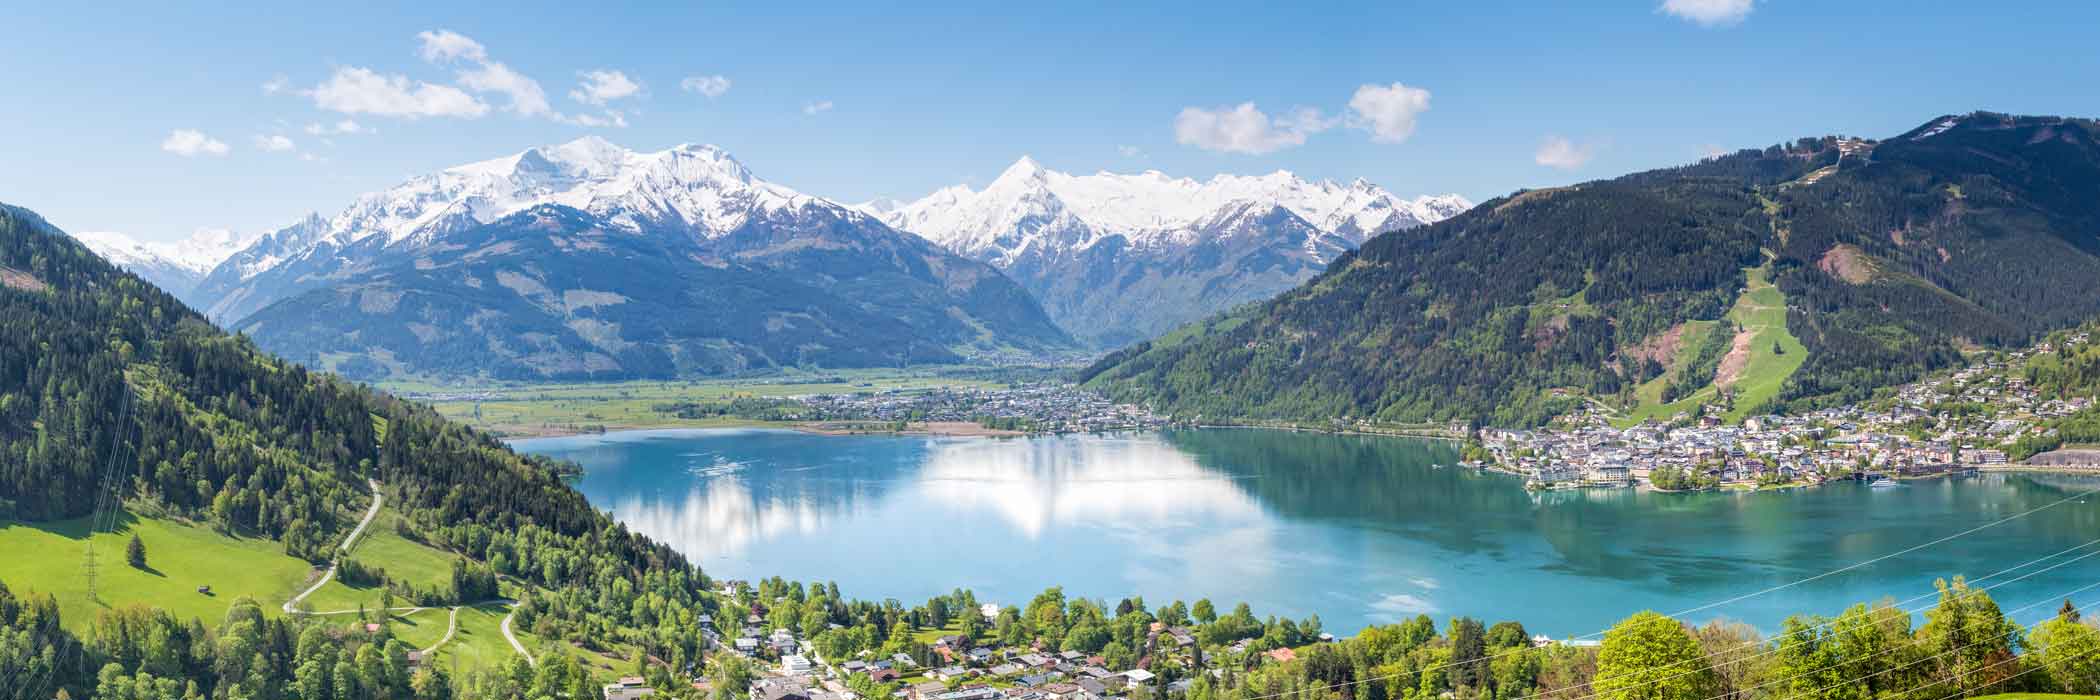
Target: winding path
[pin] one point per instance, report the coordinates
(370, 513)
(529, 661)
(451, 626)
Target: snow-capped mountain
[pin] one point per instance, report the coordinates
(783, 277)
(1116, 258)
(697, 190)
(173, 266)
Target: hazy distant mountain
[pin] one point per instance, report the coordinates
(1116, 258)
(177, 267)
(589, 260)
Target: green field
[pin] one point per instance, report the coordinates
(479, 642)
(1760, 311)
(383, 547)
(512, 408)
(47, 558)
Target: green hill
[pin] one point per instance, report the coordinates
(115, 399)
(1886, 259)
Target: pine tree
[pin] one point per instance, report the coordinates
(135, 552)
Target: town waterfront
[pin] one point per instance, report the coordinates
(1357, 529)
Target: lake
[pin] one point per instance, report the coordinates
(1357, 529)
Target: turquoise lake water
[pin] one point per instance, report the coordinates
(1359, 530)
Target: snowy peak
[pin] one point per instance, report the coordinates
(1031, 208)
(197, 254)
(699, 188)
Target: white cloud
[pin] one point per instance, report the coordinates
(612, 118)
(1245, 129)
(276, 84)
(1712, 150)
(817, 107)
(602, 86)
(191, 142)
(483, 75)
(447, 45)
(710, 85)
(1708, 13)
(353, 90)
(1388, 111)
(1130, 151)
(1559, 152)
(526, 97)
(344, 126)
(275, 143)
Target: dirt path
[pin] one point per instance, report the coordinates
(1738, 357)
(451, 626)
(529, 661)
(347, 542)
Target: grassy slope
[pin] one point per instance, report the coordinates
(1650, 394)
(47, 558)
(382, 546)
(479, 642)
(1760, 310)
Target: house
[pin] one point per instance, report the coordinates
(1059, 691)
(1282, 656)
(949, 673)
(926, 690)
(976, 692)
(779, 689)
(795, 665)
(903, 660)
(1138, 676)
(1007, 669)
(980, 655)
(628, 688)
(882, 675)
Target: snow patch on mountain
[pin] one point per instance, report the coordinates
(197, 253)
(1029, 208)
(698, 187)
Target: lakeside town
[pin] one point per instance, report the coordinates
(1952, 424)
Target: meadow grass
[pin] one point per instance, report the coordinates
(47, 558)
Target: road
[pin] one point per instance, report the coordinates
(451, 626)
(370, 513)
(529, 661)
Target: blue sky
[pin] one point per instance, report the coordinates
(1490, 97)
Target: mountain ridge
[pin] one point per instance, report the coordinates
(1109, 255)
(1889, 256)
(692, 219)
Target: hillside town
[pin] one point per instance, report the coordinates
(1949, 424)
(957, 667)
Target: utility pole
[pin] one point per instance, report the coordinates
(89, 565)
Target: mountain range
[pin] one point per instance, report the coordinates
(589, 261)
(1801, 275)
(176, 267)
(1116, 258)
(586, 260)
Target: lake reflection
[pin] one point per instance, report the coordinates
(1356, 529)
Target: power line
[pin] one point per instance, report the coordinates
(1833, 623)
(1826, 574)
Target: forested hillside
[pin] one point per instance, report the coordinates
(1891, 257)
(107, 383)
